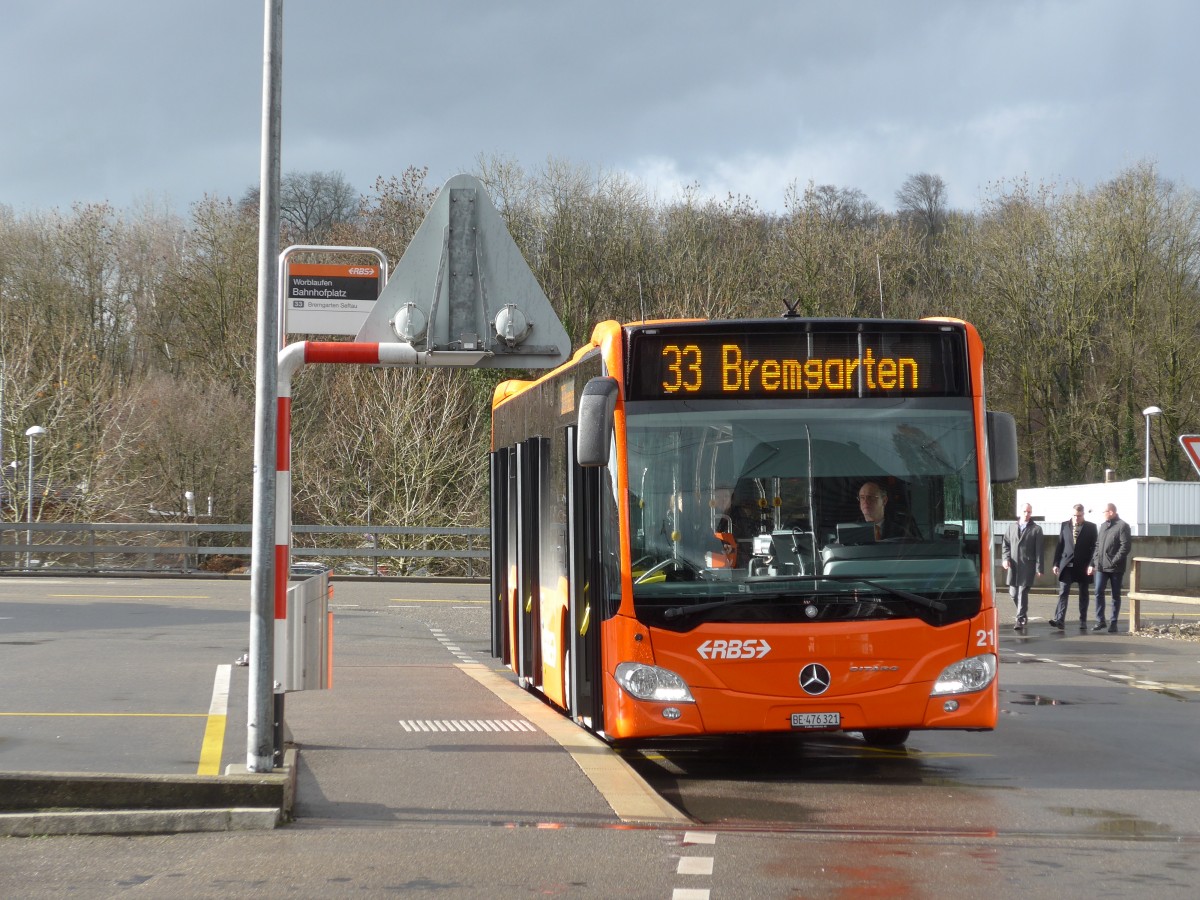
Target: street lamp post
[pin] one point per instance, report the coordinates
(370, 536)
(1148, 412)
(8, 482)
(32, 432)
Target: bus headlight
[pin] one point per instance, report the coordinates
(966, 676)
(652, 683)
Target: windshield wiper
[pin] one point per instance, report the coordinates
(920, 600)
(676, 611)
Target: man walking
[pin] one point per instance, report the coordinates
(1022, 555)
(1072, 557)
(1113, 544)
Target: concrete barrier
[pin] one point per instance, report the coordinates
(36, 803)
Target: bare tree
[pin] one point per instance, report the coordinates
(833, 206)
(921, 202)
(192, 435)
(709, 260)
(388, 218)
(311, 205)
(206, 309)
(828, 249)
(393, 446)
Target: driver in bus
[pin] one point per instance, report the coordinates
(872, 502)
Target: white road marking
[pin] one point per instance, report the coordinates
(695, 865)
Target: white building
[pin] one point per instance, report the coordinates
(1174, 506)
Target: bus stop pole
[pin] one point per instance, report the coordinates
(260, 737)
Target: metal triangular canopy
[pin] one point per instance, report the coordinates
(462, 285)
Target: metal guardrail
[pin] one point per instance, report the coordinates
(138, 547)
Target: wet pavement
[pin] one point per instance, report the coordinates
(425, 770)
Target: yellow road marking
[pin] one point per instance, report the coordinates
(901, 753)
(214, 731)
(129, 596)
(84, 715)
(432, 600)
(212, 746)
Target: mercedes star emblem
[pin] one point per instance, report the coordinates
(814, 678)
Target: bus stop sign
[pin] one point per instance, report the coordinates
(330, 299)
(1191, 446)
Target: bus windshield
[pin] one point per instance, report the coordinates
(814, 511)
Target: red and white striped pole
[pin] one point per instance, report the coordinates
(283, 527)
(291, 358)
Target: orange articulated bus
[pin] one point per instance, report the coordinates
(772, 525)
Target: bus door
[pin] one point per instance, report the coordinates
(585, 593)
(501, 551)
(528, 664)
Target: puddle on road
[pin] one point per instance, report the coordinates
(1038, 700)
(1112, 823)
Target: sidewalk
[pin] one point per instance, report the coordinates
(1153, 662)
(393, 743)
(376, 749)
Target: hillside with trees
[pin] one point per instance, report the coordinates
(130, 334)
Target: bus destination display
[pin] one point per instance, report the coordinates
(677, 364)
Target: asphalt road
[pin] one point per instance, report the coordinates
(1087, 788)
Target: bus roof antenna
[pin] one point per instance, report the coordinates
(792, 309)
(879, 275)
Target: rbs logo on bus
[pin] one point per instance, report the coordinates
(751, 648)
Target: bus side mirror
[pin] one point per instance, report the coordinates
(596, 407)
(1002, 447)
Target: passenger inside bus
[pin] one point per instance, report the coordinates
(718, 544)
(711, 529)
(705, 529)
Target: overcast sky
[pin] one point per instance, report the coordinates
(133, 101)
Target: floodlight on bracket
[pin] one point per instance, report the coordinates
(512, 326)
(410, 324)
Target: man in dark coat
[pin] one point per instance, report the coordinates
(1113, 543)
(1072, 556)
(1022, 560)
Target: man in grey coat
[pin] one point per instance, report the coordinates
(1113, 543)
(1022, 560)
